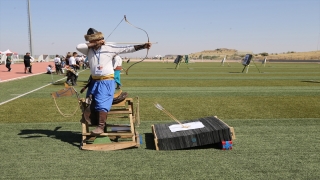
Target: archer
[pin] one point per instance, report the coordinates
(102, 85)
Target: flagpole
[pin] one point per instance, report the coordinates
(30, 31)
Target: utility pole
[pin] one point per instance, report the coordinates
(30, 32)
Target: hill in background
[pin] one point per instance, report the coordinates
(234, 54)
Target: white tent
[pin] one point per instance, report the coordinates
(43, 58)
(157, 57)
(15, 57)
(7, 52)
(3, 56)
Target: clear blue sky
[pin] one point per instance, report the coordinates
(179, 26)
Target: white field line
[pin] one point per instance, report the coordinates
(31, 90)
(20, 77)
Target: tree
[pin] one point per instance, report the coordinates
(264, 54)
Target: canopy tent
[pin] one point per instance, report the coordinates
(4, 56)
(43, 58)
(9, 52)
(157, 56)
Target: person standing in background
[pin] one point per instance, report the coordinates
(72, 61)
(67, 58)
(31, 62)
(77, 58)
(8, 62)
(63, 62)
(26, 61)
(57, 63)
(117, 66)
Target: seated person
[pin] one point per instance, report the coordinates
(49, 69)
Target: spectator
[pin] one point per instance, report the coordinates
(57, 62)
(77, 59)
(72, 61)
(117, 66)
(67, 58)
(49, 69)
(8, 62)
(31, 62)
(63, 61)
(27, 61)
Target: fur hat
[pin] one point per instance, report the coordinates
(93, 34)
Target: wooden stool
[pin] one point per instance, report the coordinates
(125, 133)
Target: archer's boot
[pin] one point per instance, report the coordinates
(102, 121)
(90, 116)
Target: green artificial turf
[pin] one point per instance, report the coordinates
(275, 114)
(264, 149)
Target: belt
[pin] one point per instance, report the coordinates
(109, 77)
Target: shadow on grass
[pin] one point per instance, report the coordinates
(209, 146)
(149, 140)
(150, 144)
(70, 137)
(311, 81)
(59, 83)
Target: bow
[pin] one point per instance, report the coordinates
(126, 20)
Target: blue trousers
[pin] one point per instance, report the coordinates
(117, 77)
(102, 94)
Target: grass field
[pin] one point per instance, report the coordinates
(275, 115)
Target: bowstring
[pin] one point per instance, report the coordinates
(115, 28)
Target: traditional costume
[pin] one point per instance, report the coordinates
(102, 86)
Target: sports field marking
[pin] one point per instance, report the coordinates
(20, 77)
(28, 92)
(31, 90)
